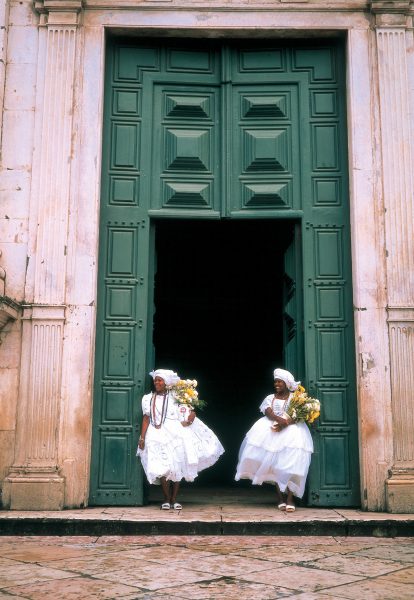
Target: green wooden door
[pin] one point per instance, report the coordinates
(123, 288)
(292, 306)
(210, 131)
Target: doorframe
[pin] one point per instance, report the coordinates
(373, 388)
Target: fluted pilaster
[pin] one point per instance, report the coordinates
(54, 172)
(34, 480)
(398, 165)
(397, 154)
(401, 330)
(44, 391)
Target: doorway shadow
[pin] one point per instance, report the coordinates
(193, 493)
(218, 319)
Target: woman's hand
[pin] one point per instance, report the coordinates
(278, 426)
(190, 419)
(281, 423)
(144, 427)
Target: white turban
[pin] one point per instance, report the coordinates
(168, 376)
(287, 378)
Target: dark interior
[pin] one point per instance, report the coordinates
(218, 319)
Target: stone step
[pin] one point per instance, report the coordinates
(208, 511)
(215, 520)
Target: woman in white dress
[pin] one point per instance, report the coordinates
(280, 454)
(174, 444)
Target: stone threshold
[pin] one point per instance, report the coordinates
(195, 519)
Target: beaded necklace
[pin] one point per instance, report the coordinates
(153, 419)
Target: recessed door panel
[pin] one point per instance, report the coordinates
(264, 143)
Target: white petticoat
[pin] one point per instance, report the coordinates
(176, 452)
(281, 457)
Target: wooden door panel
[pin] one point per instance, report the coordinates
(264, 156)
(292, 306)
(185, 138)
(116, 476)
(328, 311)
(224, 130)
(289, 154)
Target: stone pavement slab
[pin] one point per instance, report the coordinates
(227, 589)
(401, 552)
(354, 565)
(300, 578)
(15, 573)
(375, 589)
(206, 568)
(74, 589)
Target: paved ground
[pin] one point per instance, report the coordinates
(206, 568)
(217, 566)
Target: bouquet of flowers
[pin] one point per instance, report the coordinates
(185, 393)
(303, 408)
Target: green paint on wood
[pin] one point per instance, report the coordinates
(238, 131)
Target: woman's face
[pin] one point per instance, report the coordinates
(159, 385)
(280, 386)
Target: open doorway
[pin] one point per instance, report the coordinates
(218, 318)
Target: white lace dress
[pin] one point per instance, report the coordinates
(281, 457)
(174, 451)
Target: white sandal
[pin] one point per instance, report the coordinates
(165, 506)
(282, 506)
(290, 508)
(177, 506)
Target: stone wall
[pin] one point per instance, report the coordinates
(19, 41)
(49, 215)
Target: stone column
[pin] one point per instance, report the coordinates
(35, 481)
(393, 22)
(369, 272)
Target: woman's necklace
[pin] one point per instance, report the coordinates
(153, 419)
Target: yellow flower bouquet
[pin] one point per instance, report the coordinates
(303, 408)
(185, 393)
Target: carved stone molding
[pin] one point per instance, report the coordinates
(9, 308)
(392, 12)
(59, 12)
(390, 6)
(9, 312)
(400, 491)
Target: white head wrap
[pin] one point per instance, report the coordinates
(170, 377)
(287, 378)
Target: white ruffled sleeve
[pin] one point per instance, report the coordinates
(267, 403)
(146, 404)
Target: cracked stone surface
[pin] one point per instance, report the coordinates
(206, 567)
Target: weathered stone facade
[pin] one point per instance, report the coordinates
(51, 95)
